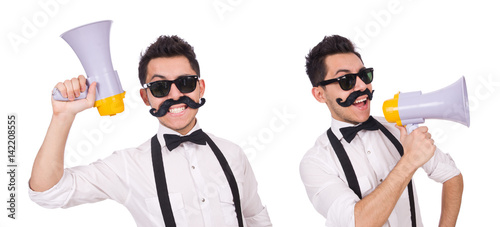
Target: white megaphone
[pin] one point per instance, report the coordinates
(412, 108)
(90, 42)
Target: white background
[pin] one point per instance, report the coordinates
(251, 55)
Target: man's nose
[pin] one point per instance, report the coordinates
(360, 85)
(174, 93)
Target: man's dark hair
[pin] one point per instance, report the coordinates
(167, 46)
(315, 61)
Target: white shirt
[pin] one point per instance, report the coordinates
(198, 190)
(372, 156)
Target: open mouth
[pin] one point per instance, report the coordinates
(177, 109)
(360, 102)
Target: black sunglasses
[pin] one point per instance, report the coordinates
(348, 81)
(161, 88)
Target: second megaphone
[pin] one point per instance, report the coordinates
(412, 108)
(90, 42)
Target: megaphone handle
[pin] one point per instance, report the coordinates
(56, 94)
(411, 127)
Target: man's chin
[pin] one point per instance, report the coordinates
(359, 116)
(178, 122)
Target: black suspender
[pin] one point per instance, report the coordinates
(161, 183)
(352, 180)
(350, 174)
(230, 178)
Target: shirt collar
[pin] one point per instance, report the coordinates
(337, 125)
(165, 130)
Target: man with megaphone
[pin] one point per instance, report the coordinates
(359, 171)
(182, 176)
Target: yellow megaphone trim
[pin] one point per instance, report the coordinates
(110, 105)
(391, 112)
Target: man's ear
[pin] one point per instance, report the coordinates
(144, 96)
(202, 87)
(319, 94)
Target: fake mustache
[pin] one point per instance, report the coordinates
(353, 96)
(163, 109)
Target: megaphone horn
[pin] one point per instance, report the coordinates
(412, 108)
(90, 42)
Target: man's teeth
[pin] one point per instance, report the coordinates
(176, 110)
(360, 101)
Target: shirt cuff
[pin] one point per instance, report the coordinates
(57, 196)
(341, 213)
(259, 220)
(444, 170)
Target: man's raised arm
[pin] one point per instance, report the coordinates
(48, 167)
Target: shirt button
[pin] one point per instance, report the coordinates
(203, 200)
(381, 180)
(192, 167)
(369, 152)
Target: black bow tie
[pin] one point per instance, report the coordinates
(350, 132)
(173, 141)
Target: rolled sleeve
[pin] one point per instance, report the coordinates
(84, 184)
(254, 212)
(328, 193)
(57, 196)
(260, 219)
(441, 167)
(341, 214)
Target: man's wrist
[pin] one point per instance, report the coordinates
(405, 169)
(63, 117)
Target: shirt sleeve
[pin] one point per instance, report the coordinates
(441, 167)
(328, 193)
(84, 184)
(254, 213)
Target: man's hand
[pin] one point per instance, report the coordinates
(418, 146)
(71, 89)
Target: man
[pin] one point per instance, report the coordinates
(364, 178)
(169, 180)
